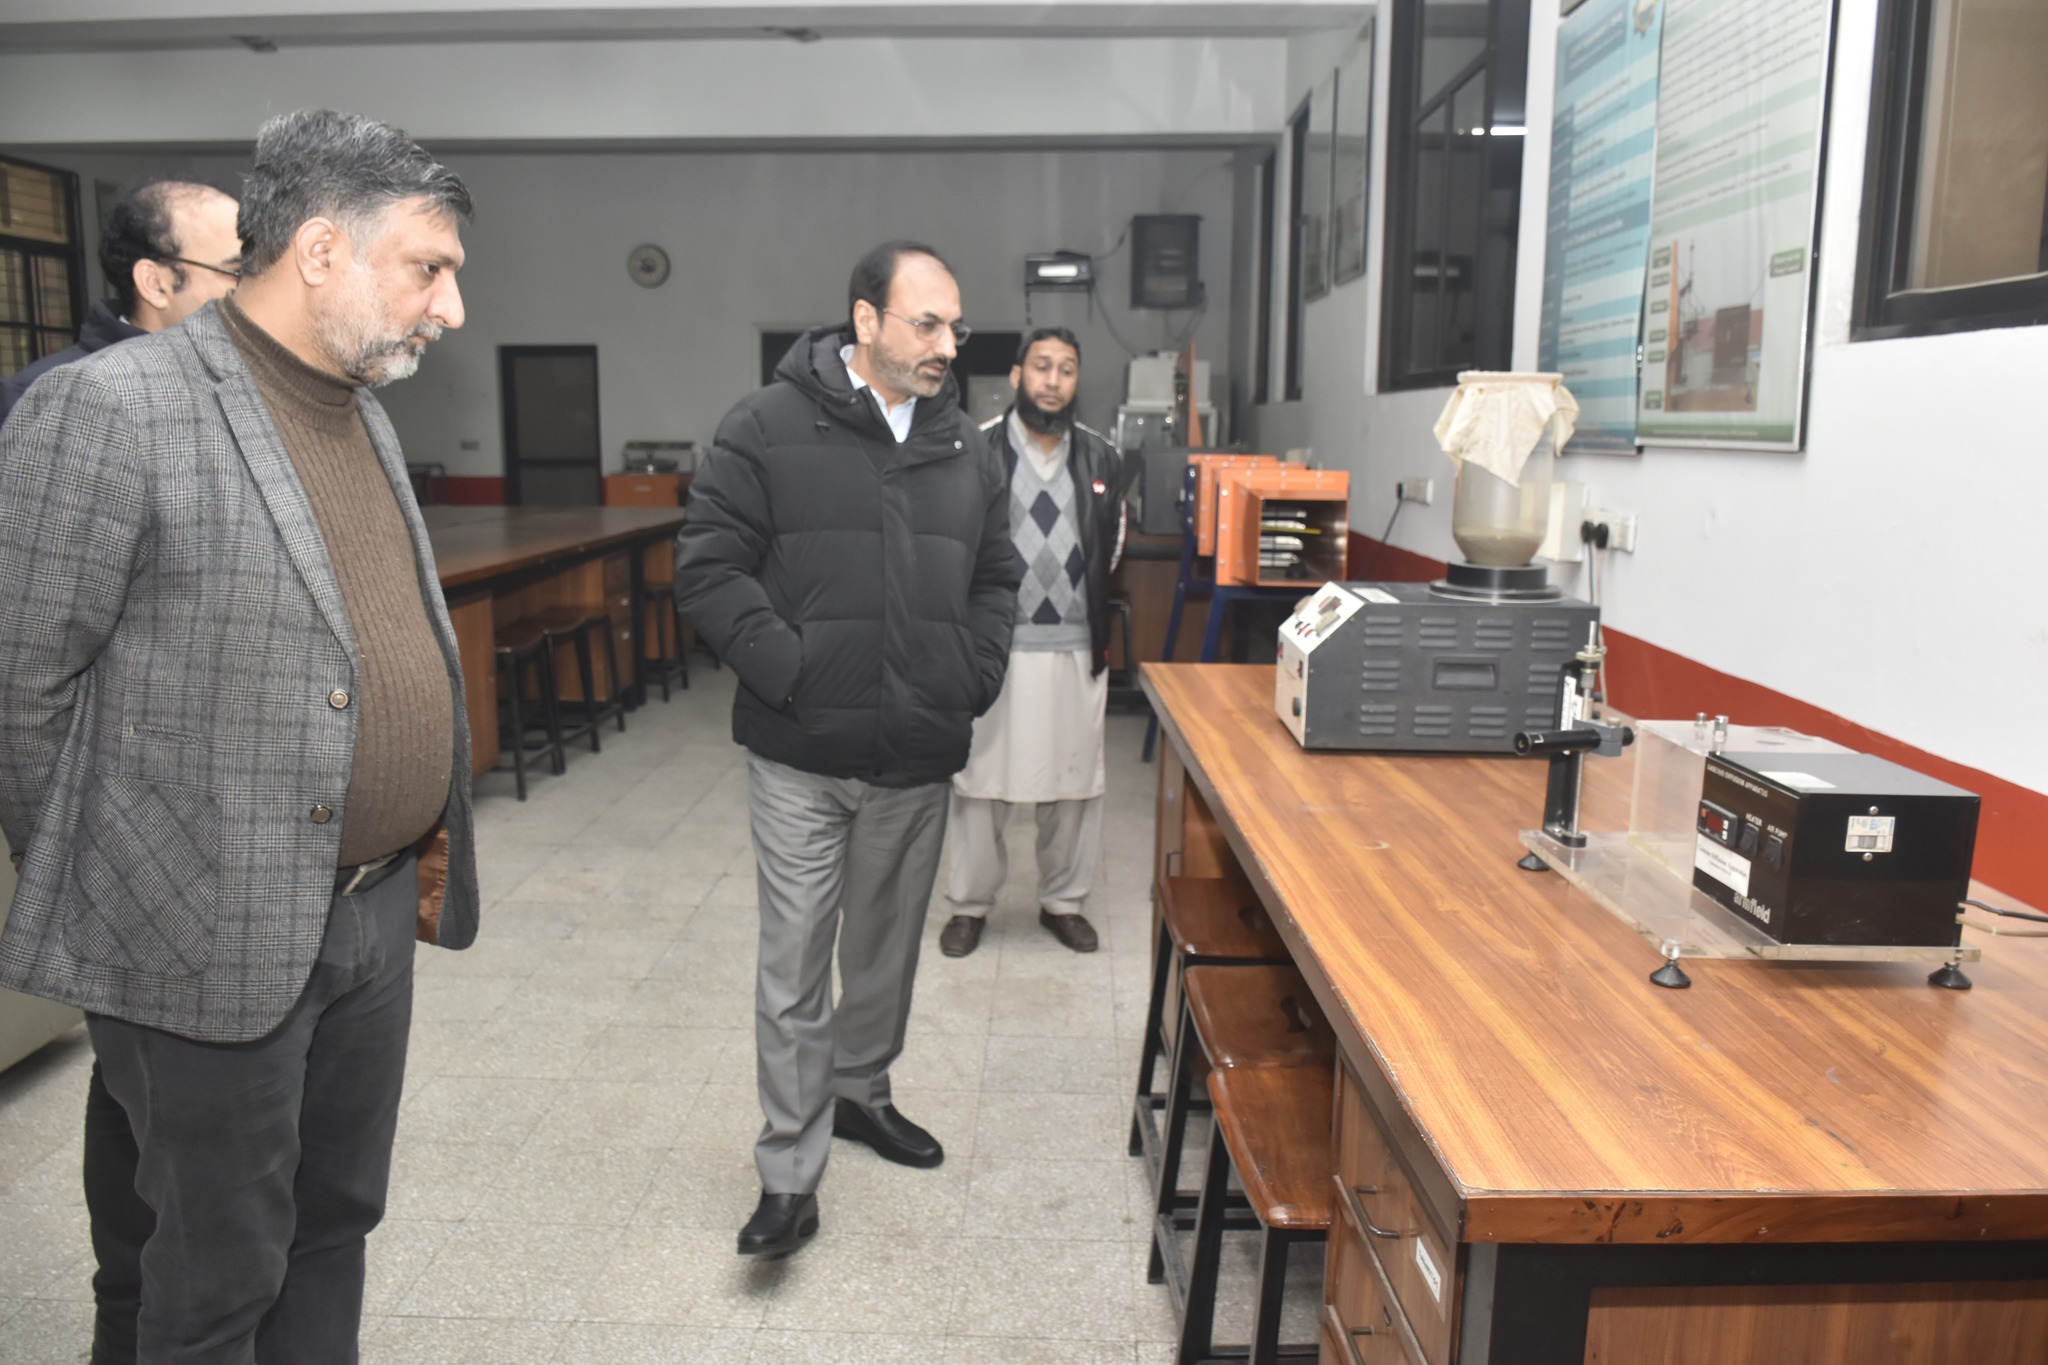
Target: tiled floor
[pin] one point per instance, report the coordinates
(574, 1154)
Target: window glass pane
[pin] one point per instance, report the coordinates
(53, 292)
(1453, 37)
(13, 286)
(33, 203)
(13, 349)
(1432, 209)
(50, 342)
(1982, 175)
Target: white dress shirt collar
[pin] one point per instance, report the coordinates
(899, 416)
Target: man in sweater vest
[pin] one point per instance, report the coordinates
(234, 759)
(1041, 743)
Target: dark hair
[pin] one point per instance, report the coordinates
(139, 228)
(318, 163)
(1060, 334)
(877, 271)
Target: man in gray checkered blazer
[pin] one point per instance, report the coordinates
(234, 760)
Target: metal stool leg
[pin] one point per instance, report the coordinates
(551, 706)
(508, 664)
(1273, 1248)
(1173, 1133)
(1147, 1102)
(586, 673)
(1198, 1317)
(617, 700)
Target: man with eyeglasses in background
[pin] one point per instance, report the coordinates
(848, 553)
(167, 249)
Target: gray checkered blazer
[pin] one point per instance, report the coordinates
(170, 628)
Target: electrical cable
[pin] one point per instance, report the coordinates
(1115, 335)
(2008, 914)
(1386, 536)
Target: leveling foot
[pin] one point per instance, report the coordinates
(1671, 975)
(1949, 977)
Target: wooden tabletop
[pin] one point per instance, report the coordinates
(472, 544)
(1567, 1098)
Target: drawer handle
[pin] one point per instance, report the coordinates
(1366, 1218)
(1349, 1336)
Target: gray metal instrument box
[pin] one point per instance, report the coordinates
(1395, 668)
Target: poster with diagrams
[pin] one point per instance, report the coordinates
(1734, 195)
(1602, 149)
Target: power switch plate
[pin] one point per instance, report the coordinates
(1418, 490)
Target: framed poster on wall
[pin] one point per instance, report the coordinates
(1351, 173)
(1315, 189)
(1603, 144)
(1734, 197)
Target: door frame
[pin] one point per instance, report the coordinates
(509, 417)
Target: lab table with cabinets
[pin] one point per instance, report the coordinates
(1544, 1159)
(499, 564)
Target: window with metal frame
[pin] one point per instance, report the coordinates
(1297, 223)
(1268, 172)
(1456, 101)
(42, 262)
(1955, 207)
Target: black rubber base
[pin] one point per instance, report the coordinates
(1529, 862)
(1491, 583)
(1949, 977)
(1671, 976)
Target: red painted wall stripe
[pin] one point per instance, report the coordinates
(1650, 681)
(463, 490)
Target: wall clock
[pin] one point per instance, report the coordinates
(648, 265)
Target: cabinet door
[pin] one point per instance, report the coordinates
(1377, 1196)
(1361, 1323)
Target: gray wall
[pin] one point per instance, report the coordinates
(764, 240)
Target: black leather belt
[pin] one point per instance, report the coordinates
(355, 881)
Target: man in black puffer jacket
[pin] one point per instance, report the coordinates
(848, 553)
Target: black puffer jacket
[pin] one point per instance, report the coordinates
(1101, 479)
(862, 589)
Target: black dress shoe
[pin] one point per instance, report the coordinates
(961, 935)
(1071, 930)
(781, 1223)
(893, 1137)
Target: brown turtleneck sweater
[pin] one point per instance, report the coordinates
(405, 722)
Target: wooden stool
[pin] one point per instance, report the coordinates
(1273, 1126)
(666, 637)
(1203, 921)
(518, 647)
(1244, 1016)
(573, 627)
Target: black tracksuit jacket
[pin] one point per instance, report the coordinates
(862, 589)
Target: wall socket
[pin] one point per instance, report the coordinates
(1621, 527)
(1418, 490)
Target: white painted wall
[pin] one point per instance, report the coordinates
(762, 240)
(1891, 572)
(867, 88)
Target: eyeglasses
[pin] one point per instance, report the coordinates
(230, 272)
(923, 327)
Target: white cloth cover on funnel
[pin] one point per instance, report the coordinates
(1496, 417)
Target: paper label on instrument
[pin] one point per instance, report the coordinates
(1378, 597)
(1871, 833)
(1319, 615)
(1431, 1276)
(1805, 782)
(1724, 865)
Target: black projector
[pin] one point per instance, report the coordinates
(1834, 848)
